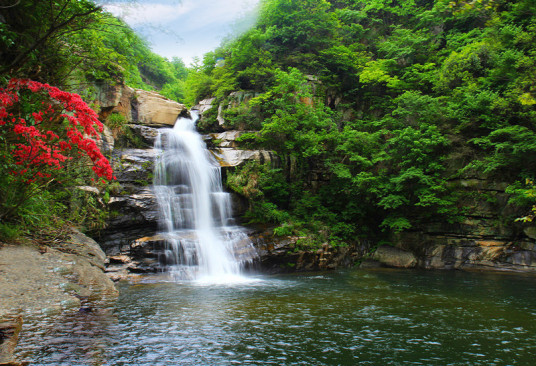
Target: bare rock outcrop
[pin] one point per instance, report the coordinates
(155, 110)
(137, 106)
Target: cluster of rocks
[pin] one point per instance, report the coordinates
(285, 254)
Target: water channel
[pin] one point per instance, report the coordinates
(365, 317)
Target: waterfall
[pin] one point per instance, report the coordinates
(195, 213)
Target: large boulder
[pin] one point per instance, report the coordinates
(394, 257)
(152, 109)
(64, 275)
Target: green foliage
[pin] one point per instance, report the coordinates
(175, 90)
(371, 106)
(9, 232)
(511, 149)
(294, 123)
(116, 121)
(35, 37)
(524, 195)
(419, 92)
(71, 43)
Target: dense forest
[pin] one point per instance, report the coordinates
(389, 101)
(385, 102)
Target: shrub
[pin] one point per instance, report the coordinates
(47, 137)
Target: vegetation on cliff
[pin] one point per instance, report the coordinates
(383, 103)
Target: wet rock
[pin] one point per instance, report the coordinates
(229, 157)
(142, 255)
(135, 214)
(134, 166)
(119, 259)
(137, 208)
(147, 134)
(394, 257)
(9, 337)
(147, 247)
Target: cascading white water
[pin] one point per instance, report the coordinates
(195, 212)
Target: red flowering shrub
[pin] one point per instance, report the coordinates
(36, 147)
(42, 128)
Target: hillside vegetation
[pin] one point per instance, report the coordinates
(374, 107)
(385, 103)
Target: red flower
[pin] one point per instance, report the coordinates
(34, 150)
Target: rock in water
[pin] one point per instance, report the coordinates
(9, 336)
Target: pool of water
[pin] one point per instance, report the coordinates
(365, 317)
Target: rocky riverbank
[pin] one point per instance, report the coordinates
(35, 279)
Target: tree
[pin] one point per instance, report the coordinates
(34, 33)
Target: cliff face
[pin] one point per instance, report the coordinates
(130, 239)
(132, 202)
(486, 236)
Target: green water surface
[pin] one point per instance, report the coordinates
(361, 317)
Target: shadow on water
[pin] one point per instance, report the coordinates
(366, 317)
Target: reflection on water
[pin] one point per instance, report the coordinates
(375, 317)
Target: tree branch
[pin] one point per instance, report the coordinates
(49, 33)
(10, 6)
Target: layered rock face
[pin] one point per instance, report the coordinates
(133, 207)
(130, 239)
(132, 202)
(487, 237)
(138, 106)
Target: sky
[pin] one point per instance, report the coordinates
(184, 28)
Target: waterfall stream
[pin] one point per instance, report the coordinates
(195, 213)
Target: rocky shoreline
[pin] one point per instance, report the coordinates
(36, 279)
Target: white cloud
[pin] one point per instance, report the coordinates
(135, 14)
(209, 12)
(199, 24)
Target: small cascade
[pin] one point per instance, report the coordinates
(195, 213)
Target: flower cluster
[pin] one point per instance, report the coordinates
(33, 140)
